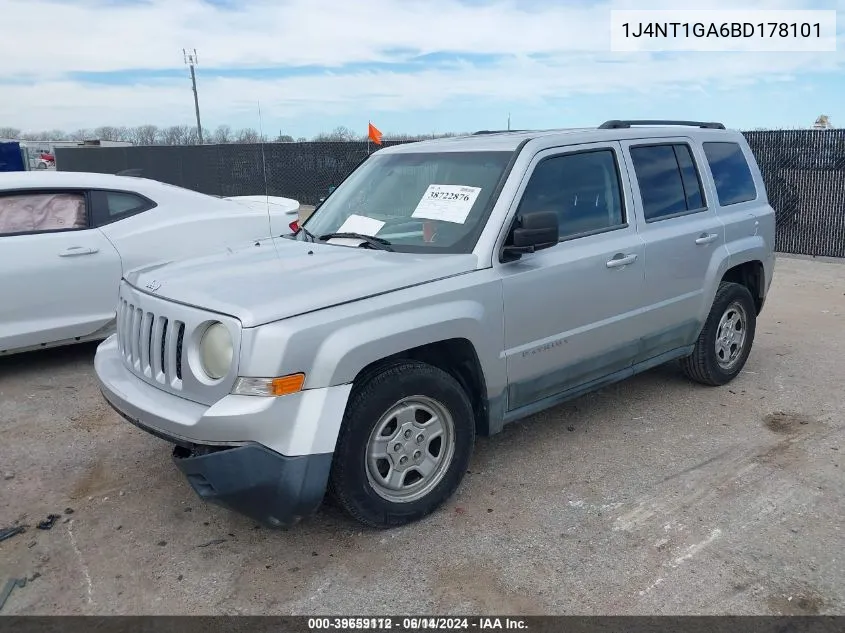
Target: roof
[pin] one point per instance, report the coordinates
(509, 141)
(43, 179)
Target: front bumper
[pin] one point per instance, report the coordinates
(266, 458)
(252, 480)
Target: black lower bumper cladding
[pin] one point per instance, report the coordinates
(252, 480)
(271, 488)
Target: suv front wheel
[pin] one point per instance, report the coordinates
(405, 443)
(726, 338)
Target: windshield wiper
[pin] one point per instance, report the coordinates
(308, 234)
(375, 242)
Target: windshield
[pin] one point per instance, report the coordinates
(421, 202)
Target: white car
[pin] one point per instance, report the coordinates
(66, 239)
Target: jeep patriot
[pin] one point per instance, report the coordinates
(443, 290)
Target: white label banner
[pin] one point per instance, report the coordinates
(448, 203)
(723, 30)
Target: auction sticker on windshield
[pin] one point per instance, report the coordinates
(449, 203)
(361, 224)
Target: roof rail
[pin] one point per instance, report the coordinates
(616, 124)
(495, 132)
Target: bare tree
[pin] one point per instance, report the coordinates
(248, 135)
(57, 135)
(186, 135)
(194, 139)
(223, 134)
(81, 135)
(168, 135)
(418, 137)
(33, 136)
(175, 135)
(124, 133)
(145, 135)
(343, 133)
(340, 133)
(183, 135)
(107, 133)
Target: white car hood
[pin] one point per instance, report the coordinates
(262, 203)
(276, 279)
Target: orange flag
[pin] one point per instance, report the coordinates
(375, 134)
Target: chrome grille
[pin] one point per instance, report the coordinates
(180, 337)
(151, 344)
(155, 336)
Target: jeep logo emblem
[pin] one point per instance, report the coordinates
(153, 285)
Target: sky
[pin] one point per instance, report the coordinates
(409, 66)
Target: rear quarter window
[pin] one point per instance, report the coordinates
(121, 204)
(731, 173)
(111, 206)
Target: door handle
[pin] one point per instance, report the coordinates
(620, 259)
(73, 251)
(706, 238)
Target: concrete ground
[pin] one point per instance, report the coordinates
(655, 496)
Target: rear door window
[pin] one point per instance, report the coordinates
(37, 212)
(731, 174)
(668, 180)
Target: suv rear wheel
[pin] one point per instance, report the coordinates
(405, 443)
(726, 338)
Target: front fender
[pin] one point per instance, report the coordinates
(333, 345)
(349, 349)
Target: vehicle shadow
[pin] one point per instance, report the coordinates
(57, 358)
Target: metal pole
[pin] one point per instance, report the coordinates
(191, 60)
(196, 104)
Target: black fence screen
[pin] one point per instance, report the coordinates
(804, 172)
(302, 171)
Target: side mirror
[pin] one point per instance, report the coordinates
(532, 232)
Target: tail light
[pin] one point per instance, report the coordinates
(294, 226)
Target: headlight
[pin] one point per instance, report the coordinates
(216, 351)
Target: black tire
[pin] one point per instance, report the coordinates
(703, 364)
(371, 400)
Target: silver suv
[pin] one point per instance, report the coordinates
(444, 289)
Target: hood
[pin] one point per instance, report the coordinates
(262, 203)
(277, 279)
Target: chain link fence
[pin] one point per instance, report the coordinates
(804, 172)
